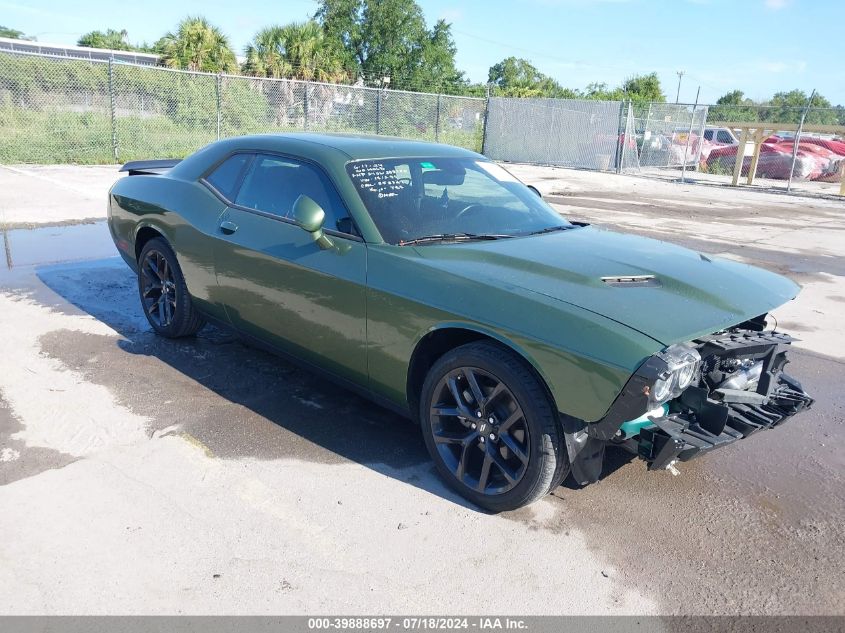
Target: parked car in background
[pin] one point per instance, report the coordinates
(721, 135)
(429, 279)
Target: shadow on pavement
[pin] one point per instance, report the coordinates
(221, 392)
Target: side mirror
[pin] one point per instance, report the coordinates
(310, 216)
(535, 190)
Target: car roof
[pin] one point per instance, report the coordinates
(354, 146)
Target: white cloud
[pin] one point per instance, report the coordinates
(776, 5)
(452, 15)
(770, 66)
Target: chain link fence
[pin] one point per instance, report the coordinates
(776, 147)
(669, 135)
(65, 110)
(565, 132)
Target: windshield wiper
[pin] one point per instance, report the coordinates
(552, 229)
(456, 237)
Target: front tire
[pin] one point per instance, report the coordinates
(164, 295)
(490, 428)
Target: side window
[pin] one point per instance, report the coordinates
(724, 137)
(228, 174)
(708, 135)
(273, 183)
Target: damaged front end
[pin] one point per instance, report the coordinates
(690, 399)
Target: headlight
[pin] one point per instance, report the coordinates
(681, 365)
(662, 389)
(685, 375)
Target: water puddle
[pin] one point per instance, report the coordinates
(22, 248)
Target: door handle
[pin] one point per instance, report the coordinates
(228, 227)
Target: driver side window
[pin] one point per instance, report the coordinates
(273, 183)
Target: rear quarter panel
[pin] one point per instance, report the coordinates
(186, 213)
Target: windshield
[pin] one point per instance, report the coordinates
(413, 198)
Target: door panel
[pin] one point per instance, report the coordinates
(279, 286)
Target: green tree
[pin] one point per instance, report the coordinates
(389, 38)
(601, 92)
(786, 107)
(642, 88)
(517, 77)
(266, 55)
(734, 106)
(297, 51)
(197, 45)
(436, 70)
(110, 39)
(14, 34)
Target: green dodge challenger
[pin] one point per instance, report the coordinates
(434, 282)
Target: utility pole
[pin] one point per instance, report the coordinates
(680, 74)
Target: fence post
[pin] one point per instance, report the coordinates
(620, 130)
(112, 110)
(798, 138)
(484, 123)
(305, 105)
(378, 110)
(689, 136)
(437, 121)
(218, 86)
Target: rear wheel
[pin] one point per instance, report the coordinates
(164, 295)
(490, 428)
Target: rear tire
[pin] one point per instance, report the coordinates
(164, 295)
(490, 427)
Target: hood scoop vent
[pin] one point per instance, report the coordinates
(633, 281)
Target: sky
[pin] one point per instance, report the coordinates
(758, 46)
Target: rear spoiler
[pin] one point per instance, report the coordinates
(150, 167)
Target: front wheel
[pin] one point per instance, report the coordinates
(164, 295)
(490, 428)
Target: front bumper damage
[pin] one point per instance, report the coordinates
(707, 415)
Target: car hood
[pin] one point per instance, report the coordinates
(687, 294)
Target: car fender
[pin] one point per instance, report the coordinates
(487, 333)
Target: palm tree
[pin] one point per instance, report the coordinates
(197, 45)
(299, 50)
(265, 55)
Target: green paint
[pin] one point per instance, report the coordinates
(360, 308)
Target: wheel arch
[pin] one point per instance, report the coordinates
(144, 233)
(445, 337)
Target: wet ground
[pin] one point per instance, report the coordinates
(203, 476)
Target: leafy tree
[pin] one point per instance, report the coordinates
(641, 88)
(197, 45)
(786, 107)
(297, 51)
(14, 34)
(601, 92)
(734, 106)
(516, 77)
(389, 38)
(436, 70)
(110, 39)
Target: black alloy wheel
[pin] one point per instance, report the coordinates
(158, 289)
(164, 294)
(490, 427)
(480, 430)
